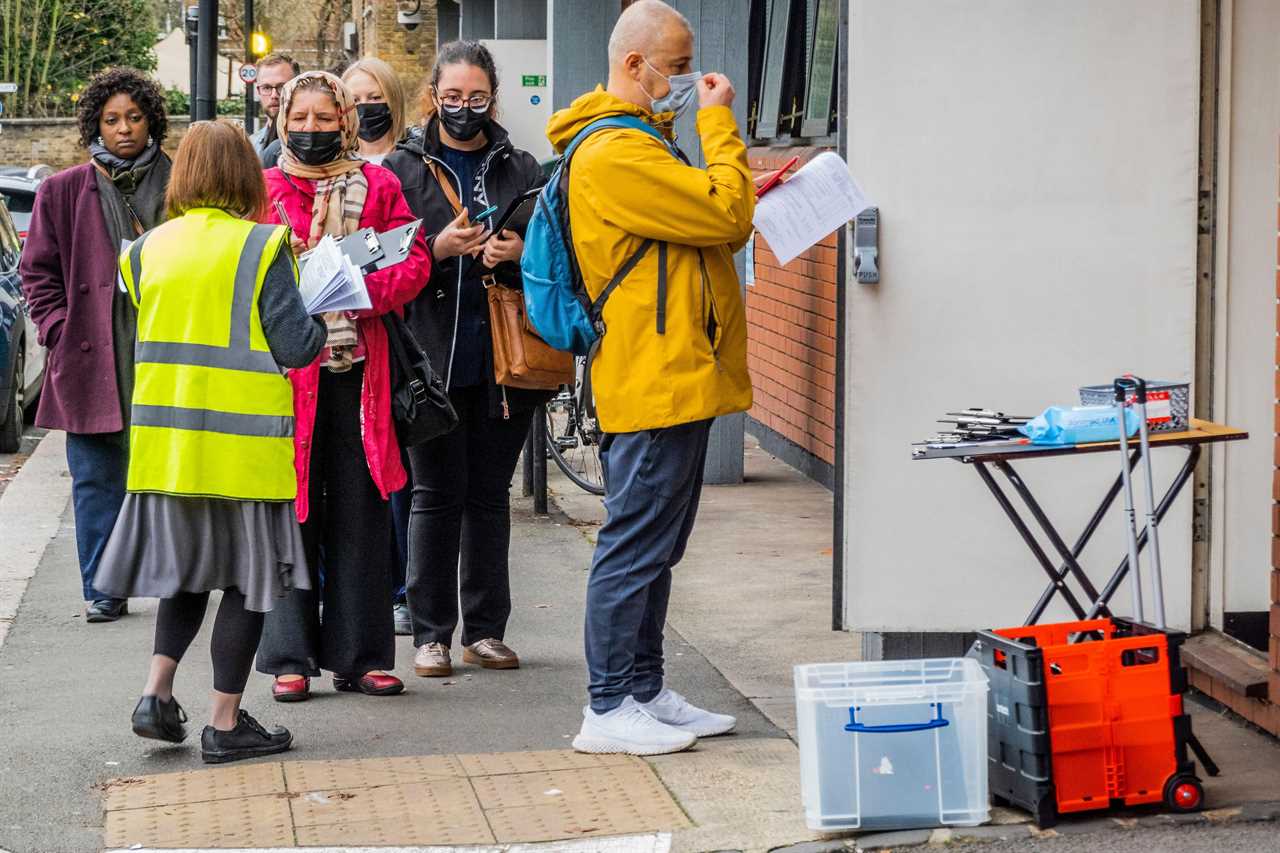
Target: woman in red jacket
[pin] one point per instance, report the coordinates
(347, 456)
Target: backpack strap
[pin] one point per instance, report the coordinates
(597, 307)
(624, 122)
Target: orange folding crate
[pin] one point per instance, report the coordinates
(1117, 729)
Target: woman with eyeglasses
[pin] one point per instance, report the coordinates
(457, 165)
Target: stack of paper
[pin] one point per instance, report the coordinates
(819, 198)
(330, 282)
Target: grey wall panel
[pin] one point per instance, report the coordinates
(448, 20)
(477, 19)
(720, 44)
(521, 19)
(580, 54)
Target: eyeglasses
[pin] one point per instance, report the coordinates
(476, 103)
(264, 90)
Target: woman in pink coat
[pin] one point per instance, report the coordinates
(347, 456)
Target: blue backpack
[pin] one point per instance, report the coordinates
(555, 296)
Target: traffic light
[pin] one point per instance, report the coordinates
(259, 44)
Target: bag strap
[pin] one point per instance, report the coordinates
(396, 343)
(597, 307)
(449, 193)
(624, 122)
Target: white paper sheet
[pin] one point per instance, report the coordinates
(819, 198)
(330, 282)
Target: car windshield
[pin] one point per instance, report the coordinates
(18, 202)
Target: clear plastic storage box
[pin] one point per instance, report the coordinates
(893, 744)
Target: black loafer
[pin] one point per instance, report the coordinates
(247, 740)
(160, 720)
(106, 609)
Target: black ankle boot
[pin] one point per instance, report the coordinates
(247, 740)
(160, 720)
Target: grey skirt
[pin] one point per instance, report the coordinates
(163, 545)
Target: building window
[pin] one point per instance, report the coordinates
(794, 84)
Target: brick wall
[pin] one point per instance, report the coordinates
(791, 348)
(56, 141)
(410, 52)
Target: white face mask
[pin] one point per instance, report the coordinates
(683, 87)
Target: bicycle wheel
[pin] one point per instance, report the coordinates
(573, 445)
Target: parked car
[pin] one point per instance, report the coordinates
(22, 359)
(19, 192)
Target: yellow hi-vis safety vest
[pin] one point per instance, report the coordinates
(212, 413)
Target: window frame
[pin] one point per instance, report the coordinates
(786, 60)
(771, 45)
(811, 126)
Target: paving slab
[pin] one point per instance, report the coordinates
(67, 689)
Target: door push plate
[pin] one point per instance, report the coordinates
(866, 237)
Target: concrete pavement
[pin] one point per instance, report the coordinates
(751, 599)
(67, 688)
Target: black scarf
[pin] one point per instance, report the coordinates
(131, 191)
(132, 197)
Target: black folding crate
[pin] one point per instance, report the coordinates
(1019, 757)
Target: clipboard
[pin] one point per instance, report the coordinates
(507, 215)
(370, 250)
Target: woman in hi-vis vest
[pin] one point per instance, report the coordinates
(211, 480)
(348, 459)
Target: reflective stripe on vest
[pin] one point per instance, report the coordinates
(207, 419)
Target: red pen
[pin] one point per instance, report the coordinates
(776, 177)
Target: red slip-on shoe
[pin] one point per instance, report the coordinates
(295, 690)
(370, 684)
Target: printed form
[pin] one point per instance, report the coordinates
(819, 198)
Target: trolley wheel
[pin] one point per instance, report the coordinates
(1183, 793)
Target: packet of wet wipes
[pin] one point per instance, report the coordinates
(1078, 425)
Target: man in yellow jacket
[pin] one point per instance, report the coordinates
(673, 357)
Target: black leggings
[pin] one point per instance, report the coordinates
(236, 632)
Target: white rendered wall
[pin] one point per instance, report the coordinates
(1035, 167)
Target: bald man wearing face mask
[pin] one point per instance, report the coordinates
(674, 356)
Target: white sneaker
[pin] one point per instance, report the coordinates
(671, 708)
(629, 730)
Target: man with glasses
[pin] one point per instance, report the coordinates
(274, 70)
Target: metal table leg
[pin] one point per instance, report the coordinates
(1184, 474)
(1071, 557)
(1050, 531)
(1030, 539)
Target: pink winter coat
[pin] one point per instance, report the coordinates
(389, 290)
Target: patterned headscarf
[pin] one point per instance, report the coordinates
(341, 190)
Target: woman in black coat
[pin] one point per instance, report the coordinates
(460, 526)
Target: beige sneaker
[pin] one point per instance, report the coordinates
(491, 654)
(432, 661)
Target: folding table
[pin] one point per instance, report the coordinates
(1000, 456)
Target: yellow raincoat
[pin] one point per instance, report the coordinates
(625, 187)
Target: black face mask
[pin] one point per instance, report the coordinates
(315, 147)
(464, 124)
(375, 120)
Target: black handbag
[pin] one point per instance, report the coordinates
(419, 403)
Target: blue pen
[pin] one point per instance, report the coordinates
(487, 212)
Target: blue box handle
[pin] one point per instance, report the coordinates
(937, 722)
